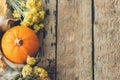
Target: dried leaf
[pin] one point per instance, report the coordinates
(3, 8)
(6, 24)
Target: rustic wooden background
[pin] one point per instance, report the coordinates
(82, 36)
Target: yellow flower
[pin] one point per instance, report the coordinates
(30, 4)
(33, 10)
(41, 26)
(25, 23)
(42, 15)
(40, 71)
(39, 4)
(35, 19)
(16, 14)
(33, 15)
(37, 27)
(31, 60)
(27, 70)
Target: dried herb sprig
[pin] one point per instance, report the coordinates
(18, 5)
(30, 12)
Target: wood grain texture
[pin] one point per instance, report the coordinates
(107, 39)
(74, 40)
(48, 35)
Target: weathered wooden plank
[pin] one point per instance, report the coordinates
(48, 35)
(74, 40)
(107, 39)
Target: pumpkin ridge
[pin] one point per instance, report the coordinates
(24, 51)
(27, 50)
(29, 47)
(12, 33)
(21, 54)
(6, 54)
(25, 54)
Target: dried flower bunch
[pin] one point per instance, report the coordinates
(32, 72)
(30, 12)
(27, 13)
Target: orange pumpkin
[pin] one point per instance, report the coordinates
(18, 43)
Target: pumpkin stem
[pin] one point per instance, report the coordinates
(18, 42)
